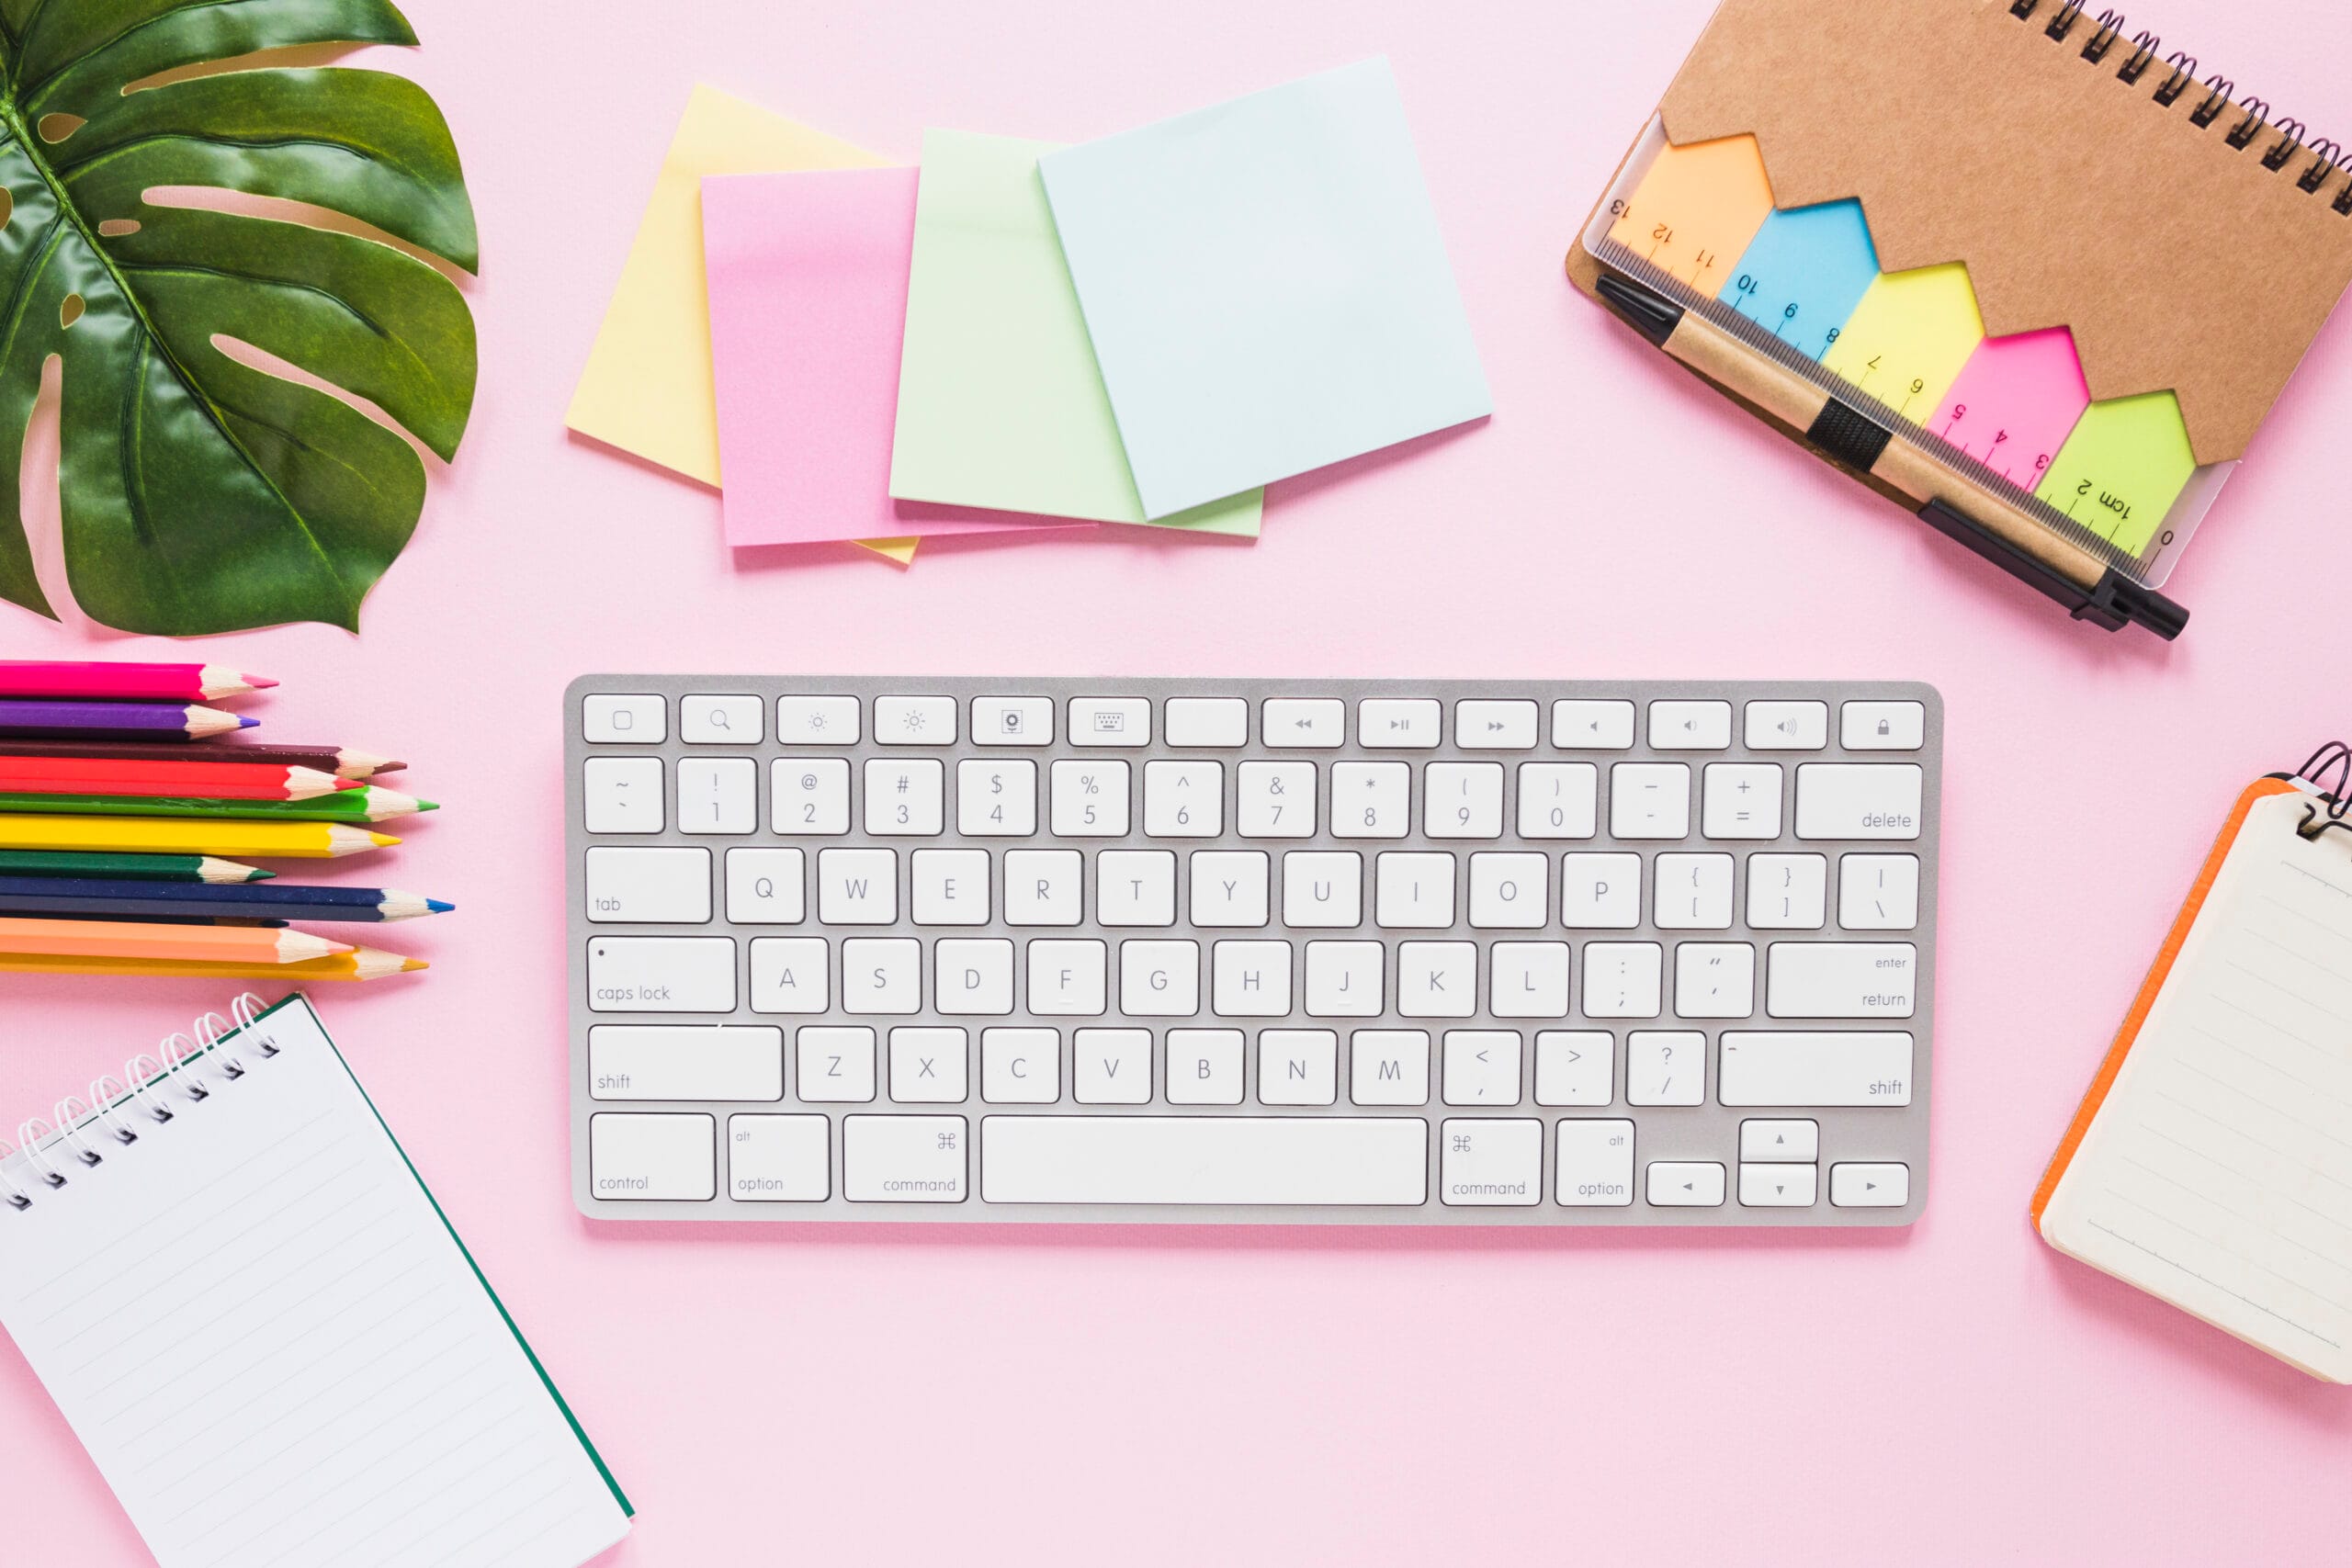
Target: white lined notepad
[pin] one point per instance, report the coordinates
(2212, 1164)
(278, 1353)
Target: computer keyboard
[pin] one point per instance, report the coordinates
(1216, 951)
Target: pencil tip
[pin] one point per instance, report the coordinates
(248, 721)
(259, 683)
(428, 806)
(439, 906)
(410, 965)
(382, 841)
(261, 876)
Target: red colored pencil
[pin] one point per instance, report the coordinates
(124, 682)
(29, 775)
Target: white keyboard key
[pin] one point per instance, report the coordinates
(1490, 1162)
(1399, 724)
(1601, 892)
(1288, 723)
(833, 1065)
(929, 1066)
(681, 1062)
(1344, 980)
(1160, 979)
(1209, 722)
(1683, 726)
(1876, 892)
(1788, 726)
(1778, 1185)
(1882, 727)
(1204, 1067)
(1437, 979)
(624, 720)
(1495, 724)
(1649, 800)
(1685, 1184)
(1228, 887)
(1595, 1163)
(816, 721)
(1583, 724)
(1252, 979)
(1372, 800)
(1226, 1160)
(1136, 887)
(1578, 1067)
(914, 721)
(950, 888)
(1322, 889)
(857, 888)
(1463, 800)
(779, 1159)
(1298, 1066)
(622, 795)
(766, 888)
(662, 973)
(791, 974)
(1068, 978)
(1529, 979)
(1665, 1067)
(1044, 887)
(722, 721)
(1413, 891)
(905, 798)
(1184, 800)
(649, 887)
(809, 796)
(1482, 1066)
(1021, 1066)
(718, 794)
(1510, 890)
(1742, 801)
(1111, 1067)
(1089, 799)
(996, 799)
(1787, 892)
(1841, 979)
(1773, 1140)
(647, 1156)
(1714, 979)
(1276, 800)
(1858, 800)
(1558, 800)
(882, 975)
(1857, 1185)
(1693, 893)
(904, 1159)
(1110, 721)
(1388, 1067)
(970, 976)
(1013, 721)
(1621, 978)
(1795, 1069)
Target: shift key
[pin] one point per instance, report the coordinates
(1841, 979)
(662, 973)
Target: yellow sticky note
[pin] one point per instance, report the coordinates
(899, 550)
(1906, 341)
(2122, 467)
(1696, 208)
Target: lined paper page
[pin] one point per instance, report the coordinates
(265, 1334)
(2219, 1172)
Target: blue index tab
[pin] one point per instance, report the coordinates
(1804, 272)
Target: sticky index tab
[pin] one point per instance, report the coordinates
(1804, 274)
(2120, 471)
(2014, 402)
(1908, 338)
(1696, 208)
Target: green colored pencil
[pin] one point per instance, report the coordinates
(137, 868)
(366, 803)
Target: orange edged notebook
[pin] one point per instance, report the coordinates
(2211, 1162)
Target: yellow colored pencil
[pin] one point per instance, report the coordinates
(360, 964)
(234, 837)
(35, 938)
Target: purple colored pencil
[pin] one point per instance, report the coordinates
(154, 721)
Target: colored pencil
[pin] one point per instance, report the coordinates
(30, 716)
(153, 900)
(366, 803)
(140, 868)
(344, 762)
(144, 938)
(134, 835)
(124, 682)
(360, 964)
(62, 775)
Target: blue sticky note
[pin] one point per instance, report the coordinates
(1265, 287)
(1804, 272)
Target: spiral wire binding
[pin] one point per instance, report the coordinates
(2328, 155)
(2335, 757)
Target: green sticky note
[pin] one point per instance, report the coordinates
(1000, 404)
(2122, 467)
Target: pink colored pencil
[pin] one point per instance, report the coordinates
(124, 682)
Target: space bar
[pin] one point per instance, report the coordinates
(1204, 1160)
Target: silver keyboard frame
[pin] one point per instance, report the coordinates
(1705, 1132)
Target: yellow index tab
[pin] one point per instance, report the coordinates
(2122, 469)
(1696, 209)
(1906, 341)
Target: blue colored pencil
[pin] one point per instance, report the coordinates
(54, 895)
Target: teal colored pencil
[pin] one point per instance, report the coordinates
(366, 804)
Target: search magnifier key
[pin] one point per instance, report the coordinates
(766, 888)
(721, 721)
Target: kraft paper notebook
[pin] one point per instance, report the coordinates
(2034, 279)
(2211, 1164)
(260, 1325)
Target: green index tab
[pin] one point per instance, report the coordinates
(2122, 469)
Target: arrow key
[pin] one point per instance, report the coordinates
(1685, 1184)
(1858, 1186)
(1778, 1185)
(1788, 1141)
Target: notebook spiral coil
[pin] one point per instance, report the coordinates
(152, 1091)
(2327, 155)
(2335, 757)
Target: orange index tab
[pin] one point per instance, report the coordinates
(1908, 338)
(1696, 208)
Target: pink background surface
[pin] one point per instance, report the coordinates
(899, 1394)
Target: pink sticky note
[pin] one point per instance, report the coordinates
(807, 276)
(2014, 401)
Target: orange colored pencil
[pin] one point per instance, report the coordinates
(360, 964)
(142, 939)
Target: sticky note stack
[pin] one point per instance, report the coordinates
(1026, 337)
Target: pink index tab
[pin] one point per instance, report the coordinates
(2014, 403)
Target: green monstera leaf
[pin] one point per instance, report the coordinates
(198, 494)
